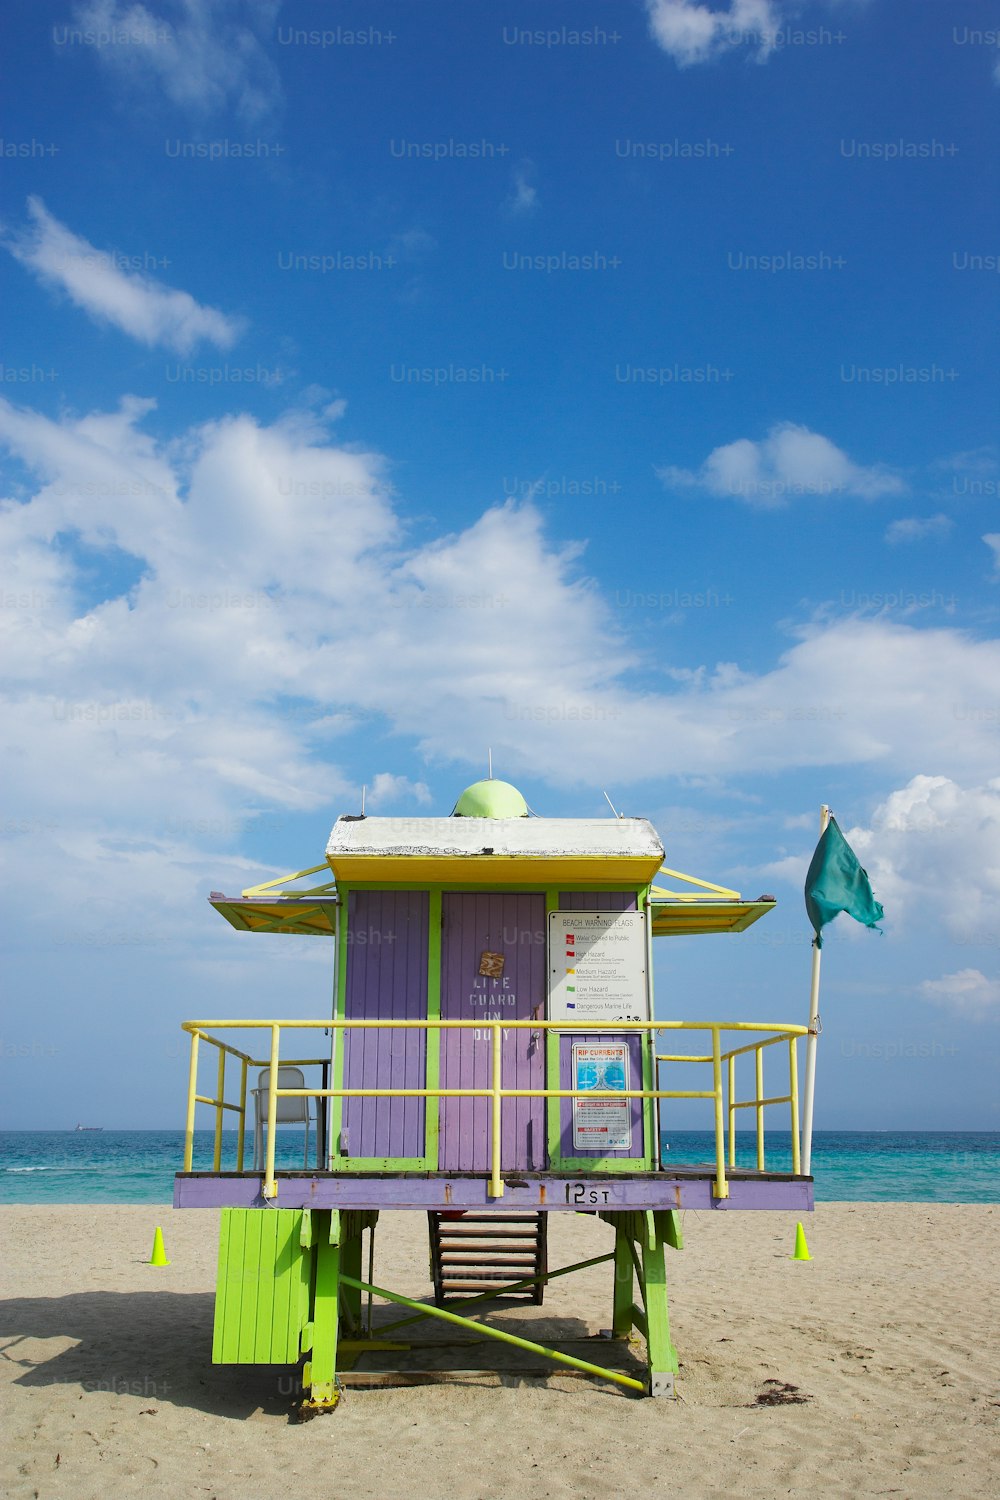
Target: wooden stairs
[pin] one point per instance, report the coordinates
(474, 1253)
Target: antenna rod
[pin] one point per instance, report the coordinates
(612, 805)
(363, 790)
(489, 757)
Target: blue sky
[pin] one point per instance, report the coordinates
(611, 384)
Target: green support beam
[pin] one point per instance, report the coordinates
(290, 1281)
(621, 1315)
(506, 1338)
(660, 1352)
(320, 1373)
(501, 1291)
(640, 1238)
(350, 1298)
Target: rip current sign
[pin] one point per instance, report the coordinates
(601, 1124)
(598, 966)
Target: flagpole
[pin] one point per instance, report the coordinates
(810, 1089)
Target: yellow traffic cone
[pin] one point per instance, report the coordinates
(801, 1251)
(159, 1255)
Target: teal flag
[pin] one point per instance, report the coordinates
(836, 882)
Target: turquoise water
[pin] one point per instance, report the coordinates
(137, 1166)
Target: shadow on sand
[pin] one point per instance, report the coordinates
(156, 1347)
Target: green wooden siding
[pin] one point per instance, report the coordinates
(262, 1289)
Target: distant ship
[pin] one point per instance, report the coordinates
(90, 1127)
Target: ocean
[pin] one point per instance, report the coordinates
(137, 1166)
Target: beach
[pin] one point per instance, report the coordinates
(871, 1369)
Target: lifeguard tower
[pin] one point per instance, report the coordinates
(492, 1057)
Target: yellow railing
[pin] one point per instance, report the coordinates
(495, 1092)
(759, 1101)
(219, 1101)
(788, 1034)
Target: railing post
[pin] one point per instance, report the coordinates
(721, 1185)
(270, 1185)
(732, 1111)
(220, 1094)
(192, 1092)
(793, 1089)
(758, 1059)
(241, 1139)
(496, 1102)
(649, 1038)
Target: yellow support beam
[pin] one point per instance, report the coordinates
(270, 1189)
(721, 1185)
(191, 1101)
(703, 885)
(496, 1181)
(270, 885)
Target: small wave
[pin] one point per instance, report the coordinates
(66, 1168)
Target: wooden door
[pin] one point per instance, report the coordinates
(512, 924)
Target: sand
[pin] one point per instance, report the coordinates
(890, 1332)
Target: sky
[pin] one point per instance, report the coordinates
(609, 384)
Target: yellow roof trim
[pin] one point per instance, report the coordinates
(495, 869)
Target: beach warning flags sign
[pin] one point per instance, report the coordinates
(836, 882)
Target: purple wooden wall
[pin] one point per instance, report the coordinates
(386, 976)
(387, 941)
(599, 901)
(512, 924)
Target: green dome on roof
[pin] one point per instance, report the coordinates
(490, 799)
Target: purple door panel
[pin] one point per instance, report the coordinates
(386, 976)
(512, 924)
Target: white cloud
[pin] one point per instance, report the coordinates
(94, 280)
(917, 528)
(523, 196)
(693, 33)
(387, 790)
(205, 55)
(984, 460)
(273, 606)
(790, 462)
(931, 851)
(968, 993)
(992, 540)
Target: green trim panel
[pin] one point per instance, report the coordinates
(432, 1067)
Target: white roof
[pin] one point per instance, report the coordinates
(596, 838)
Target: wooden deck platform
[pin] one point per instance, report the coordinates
(678, 1187)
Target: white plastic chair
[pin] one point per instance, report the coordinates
(289, 1111)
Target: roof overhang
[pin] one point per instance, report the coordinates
(590, 853)
(544, 857)
(673, 918)
(302, 917)
(701, 906)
